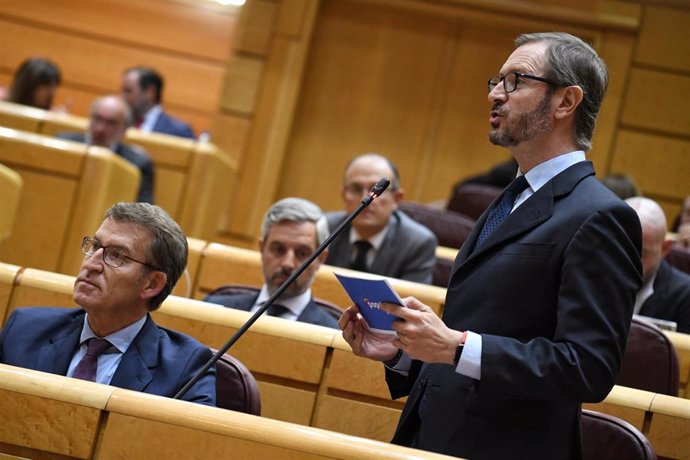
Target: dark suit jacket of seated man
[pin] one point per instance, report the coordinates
(292, 229)
(407, 252)
(671, 297)
(135, 155)
(395, 245)
(130, 266)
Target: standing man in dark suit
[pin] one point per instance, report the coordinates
(109, 119)
(292, 229)
(541, 295)
(142, 88)
(382, 239)
(130, 266)
(665, 292)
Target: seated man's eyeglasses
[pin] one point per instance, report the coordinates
(511, 80)
(111, 255)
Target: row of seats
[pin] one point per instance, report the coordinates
(308, 375)
(50, 416)
(192, 178)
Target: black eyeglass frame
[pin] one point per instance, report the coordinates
(518, 75)
(90, 241)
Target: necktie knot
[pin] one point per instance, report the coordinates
(501, 211)
(277, 310)
(362, 248)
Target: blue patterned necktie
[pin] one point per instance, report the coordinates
(501, 211)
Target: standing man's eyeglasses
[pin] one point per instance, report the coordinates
(511, 80)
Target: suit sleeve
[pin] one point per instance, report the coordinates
(600, 275)
(147, 183)
(204, 390)
(419, 266)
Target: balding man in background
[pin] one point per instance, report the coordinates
(382, 239)
(109, 119)
(665, 292)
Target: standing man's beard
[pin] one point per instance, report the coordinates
(525, 126)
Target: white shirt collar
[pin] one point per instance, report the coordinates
(121, 339)
(544, 172)
(151, 118)
(295, 304)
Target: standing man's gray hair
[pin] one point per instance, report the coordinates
(296, 210)
(570, 61)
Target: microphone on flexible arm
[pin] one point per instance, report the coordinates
(375, 192)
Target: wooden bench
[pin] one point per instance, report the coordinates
(222, 264)
(8, 275)
(49, 416)
(681, 343)
(11, 191)
(67, 189)
(308, 374)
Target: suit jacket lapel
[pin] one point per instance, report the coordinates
(56, 356)
(138, 363)
(534, 211)
(310, 313)
(379, 264)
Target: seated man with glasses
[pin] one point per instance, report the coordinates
(130, 266)
(382, 239)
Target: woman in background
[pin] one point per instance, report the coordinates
(34, 83)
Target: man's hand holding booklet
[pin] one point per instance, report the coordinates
(369, 294)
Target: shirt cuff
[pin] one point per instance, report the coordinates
(403, 365)
(470, 363)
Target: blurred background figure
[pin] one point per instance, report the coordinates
(35, 82)
(622, 185)
(142, 88)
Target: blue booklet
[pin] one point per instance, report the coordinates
(369, 294)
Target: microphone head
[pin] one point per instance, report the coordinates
(380, 187)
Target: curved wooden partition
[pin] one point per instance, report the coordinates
(8, 275)
(193, 180)
(67, 189)
(44, 415)
(10, 190)
(222, 264)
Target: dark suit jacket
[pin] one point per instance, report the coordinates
(311, 314)
(170, 125)
(551, 292)
(159, 361)
(671, 298)
(135, 155)
(407, 252)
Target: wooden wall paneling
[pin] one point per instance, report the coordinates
(370, 86)
(663, 37)
(261, 164)
(659, 165)
(244, 78)
(658, 101)
(616, 50)
(255, 27)
(178, 28)
(357, 418)
(102, 72)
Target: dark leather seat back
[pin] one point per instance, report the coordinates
(442, 269)
(472, 199)
(236, 388)
(605, 437)
(650, 361)
(679, 257)
(451, 229)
